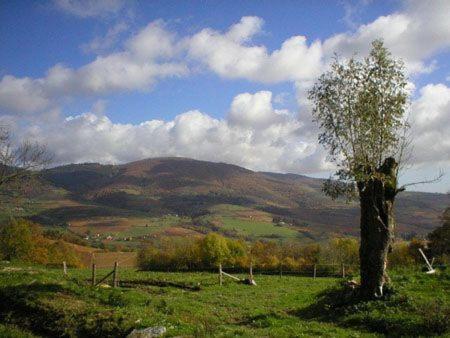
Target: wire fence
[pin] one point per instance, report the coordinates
(306, 270)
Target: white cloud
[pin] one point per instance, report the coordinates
(231, 54)
(352, 11)
(414, 34)
(146, 58)
(255, 111)
(90, 8)
(253, 134)
(22, 94)
(100, 44)
(430, 120)
(94, 137)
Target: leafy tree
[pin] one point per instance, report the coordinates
(59, 251)
(214, 248)
(342, 250)
(16, 240)
(265, 254)
(238, 252)
(360, 107)
(400, 256)
(440, 237)
(311, 253)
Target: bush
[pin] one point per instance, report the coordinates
(17, 240)
(208, 252)
(23, 241)
(439, 238)
(401, 255)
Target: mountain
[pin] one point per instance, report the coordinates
(187, 187)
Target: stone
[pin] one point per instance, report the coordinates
(149, 332)
(249, 281)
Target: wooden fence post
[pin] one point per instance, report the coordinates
(251, 271)
(220, 274)
(93, 274)
(343, 270)
(65, 268)
(315, 270)
(115, 275)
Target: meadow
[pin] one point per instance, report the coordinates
(38, 301)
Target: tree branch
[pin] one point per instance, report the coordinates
(434, 180)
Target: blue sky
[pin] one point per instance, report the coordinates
(213, 80)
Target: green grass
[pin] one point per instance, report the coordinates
(416, 305)
(247, 222)
(193, 304)
(257, 228)
(12, 331)
(139, 228)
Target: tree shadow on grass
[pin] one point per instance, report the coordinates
(43, 309)
(395, 315)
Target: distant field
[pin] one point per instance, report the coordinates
(104, 259)
(118, 226)
(250, 222)
(128, 228)
(257, 228)
(194, 305)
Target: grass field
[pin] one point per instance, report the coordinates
(257, 228)
(250, 222)
(42, 301)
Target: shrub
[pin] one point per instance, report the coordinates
(439, 238)
(23, 241)
(17, 240)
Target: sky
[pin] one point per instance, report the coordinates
(114, 81)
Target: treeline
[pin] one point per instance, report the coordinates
(21, 240)
(213, 249)
(206, 253)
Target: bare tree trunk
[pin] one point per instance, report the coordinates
(377, 198)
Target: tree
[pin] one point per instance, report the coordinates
(17, 240)
(18, 162)
(214, 249)
(342, 250)
(360, 107)
(440, 237)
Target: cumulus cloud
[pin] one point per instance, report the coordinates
(90, 8)
(255, 111)
(253, 133)
(92, 136)
(155, 52)
(100, 44)
(146, 58)
(430, 120)
(22, 94)
(414, 34)
(232, 55)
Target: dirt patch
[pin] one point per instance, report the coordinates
(254, 215)
(178, 231)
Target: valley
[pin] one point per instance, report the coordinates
(120, 207)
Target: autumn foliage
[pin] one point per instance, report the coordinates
(23, 241)
(208, 252)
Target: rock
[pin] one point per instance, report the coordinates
(149, 332)
(352, 284)
(249, 281)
